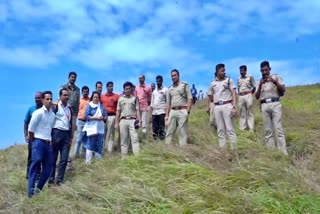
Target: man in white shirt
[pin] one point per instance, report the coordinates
(61, 135)
(39, 129)
(158, 109)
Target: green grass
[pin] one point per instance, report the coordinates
(198, 178)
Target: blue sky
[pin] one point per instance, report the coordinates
(42, 40)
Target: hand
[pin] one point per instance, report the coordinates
(26, 139)
(140, 123)
(166, 122)
(208, 110)
(116, 126)
(234, 112)
(30, 139)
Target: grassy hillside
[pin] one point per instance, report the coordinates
(199, 178)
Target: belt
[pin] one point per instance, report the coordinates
(270, 100)
(245, 93)
(83, 120)
(179, 107)
(222, 102)
(44, 141)
(128, 118)
(111, 114)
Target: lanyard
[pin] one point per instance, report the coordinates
(67, 113)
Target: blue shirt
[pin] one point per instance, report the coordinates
(193, 92)
(29, 113)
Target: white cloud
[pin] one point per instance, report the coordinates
(144, 35)
(26, 56)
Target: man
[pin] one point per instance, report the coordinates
(269, 90)
(99, 87)
(110, 101)
(38, 101)
(179, 101)
(127, 115)
(158, 109)
(74, 97)
(84, 101)
(153, 87)
(194, 94)
(246, 87)
(61, 135)
(74, 101)
(144, 96)
(40, 128)
(222, 92)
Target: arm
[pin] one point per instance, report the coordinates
(253, 84)
(35, 119)
(168, 105)
(258, 92)
(209, 98)
(117, 120)
(104, 114)
(189, 97)
(138, 112)
(151, 107)
(25, 130)
(280, 87)
(26, 124)
(234, 102)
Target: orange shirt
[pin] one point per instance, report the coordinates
(82, 107)
(110, 101)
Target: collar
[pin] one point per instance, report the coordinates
(109, 94)
(60, 103)
(93, 105)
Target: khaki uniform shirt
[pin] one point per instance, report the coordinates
(179, 95)
(128, 106)
(246, 83)
(221, 89)
(269, 89)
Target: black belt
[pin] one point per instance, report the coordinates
(111, 114)
(270, 100)
(128, 118)
(44, 141)
(83, 120)
(222, 102)
(179, 107)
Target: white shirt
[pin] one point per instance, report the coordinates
(63, 116)
(159, 101)
(41, 123)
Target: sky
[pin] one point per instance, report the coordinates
(113, 40)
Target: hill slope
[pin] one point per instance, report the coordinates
(199, 178)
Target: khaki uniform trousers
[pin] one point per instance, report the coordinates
(109, 130)
(224, 119)
(246, 118)
(178, 119)
(127, 131)
(212, 118)
(272, 120)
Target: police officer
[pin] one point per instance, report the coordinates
(127, 115)
(269, 90)
(222, 92)
(246, 87)
(179, 101)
